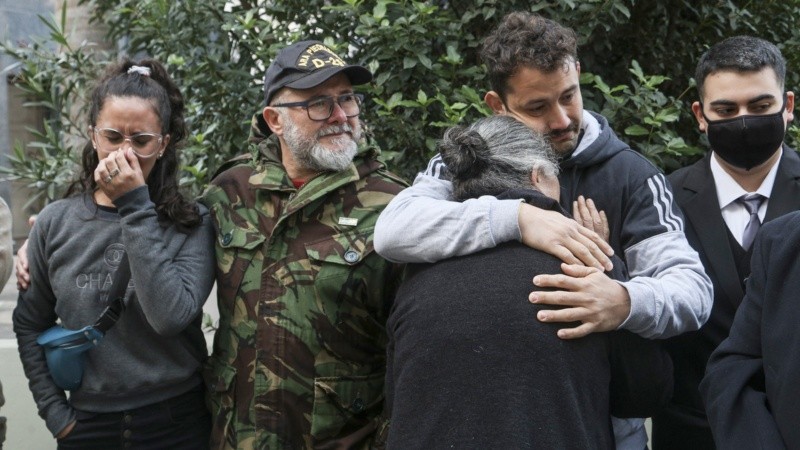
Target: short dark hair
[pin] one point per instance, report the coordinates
(524, 39)
(740, 54)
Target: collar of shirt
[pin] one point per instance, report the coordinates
(728, 190)
(590, 129)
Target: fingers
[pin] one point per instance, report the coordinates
(578, 270)
(577, 332)
(117, 164)
(586, 295)
(21, 267)
(594, 214)
(118, 173)
(562, 237)
(564, 254)
(558, 281)
(66, 431)
(102, 173)
(605, 230)
(588, 247)
(587, 214)
(132, 161)
(582, 214)
(599, 247)
(570, 315)
(111, 163)
(598, 219)
(562, 315)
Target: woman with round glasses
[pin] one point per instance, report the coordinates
(141, 386)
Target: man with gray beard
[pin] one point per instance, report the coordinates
(310, 153)
(300, 353)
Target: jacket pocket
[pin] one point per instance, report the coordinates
(239, 254)
(340, 269)
(220, 381)
(335, 256)
(348, 288)
(346, 404)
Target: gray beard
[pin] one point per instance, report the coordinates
(310, 154)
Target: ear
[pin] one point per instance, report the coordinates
(273, 120)
(93, 137)
(789, 112)
(697, 110)
(494, 102)
(578, 67)
(164, 143)
(535, 176)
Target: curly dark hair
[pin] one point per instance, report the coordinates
(528, 40)
(162, 183)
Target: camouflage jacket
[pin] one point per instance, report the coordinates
(299, 356)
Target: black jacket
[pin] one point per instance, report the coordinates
(470, 366)
(750, 388)
(683, 423)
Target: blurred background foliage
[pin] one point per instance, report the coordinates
(637, 58)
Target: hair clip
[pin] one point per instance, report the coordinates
(144, 71)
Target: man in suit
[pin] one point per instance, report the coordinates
(750, 389)
(749, 176)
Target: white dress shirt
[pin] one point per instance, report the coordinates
(728, 190)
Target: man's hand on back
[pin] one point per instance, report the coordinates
(588, 296)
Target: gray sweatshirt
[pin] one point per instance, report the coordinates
(155, 350)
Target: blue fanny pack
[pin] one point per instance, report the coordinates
(65, 350)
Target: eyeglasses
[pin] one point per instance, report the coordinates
(143, 145)
(322, 108)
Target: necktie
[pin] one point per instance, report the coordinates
(751, 203)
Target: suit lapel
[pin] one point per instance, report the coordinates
(785, 196)
(702, 210)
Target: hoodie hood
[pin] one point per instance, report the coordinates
(598, 143)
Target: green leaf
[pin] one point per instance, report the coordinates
(394, 100)
(623, 9)
(380, 10)
(425, 60)
(636, 130)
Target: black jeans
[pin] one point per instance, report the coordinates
(182, 422)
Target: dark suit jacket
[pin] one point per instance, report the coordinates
(751, 389)
(683, 423)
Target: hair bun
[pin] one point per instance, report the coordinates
(464, 152)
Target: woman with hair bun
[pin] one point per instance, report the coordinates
(141, 386)
(469, 365)
(497, 154)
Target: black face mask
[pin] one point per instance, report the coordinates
(747, 141)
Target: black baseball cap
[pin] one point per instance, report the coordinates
(306, 64)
